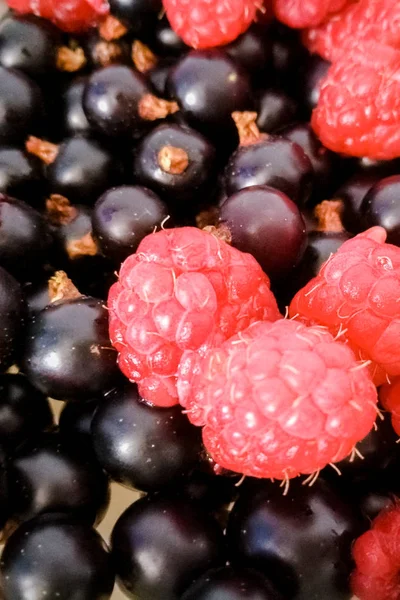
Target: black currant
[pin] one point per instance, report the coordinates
(139, 15)
(252, 50)
(75, 423)
(312, 72)
(4, 502)
(12, 311)
(276, 110)
(165, 41)
(21, 175)
(74, 118)
(380, 207)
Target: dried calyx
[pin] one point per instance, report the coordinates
(85, 246)
(62, 288)
(246, 124)
(173, 160)
(152, 108)
(112, 29)
(106, 53)
(46, 151)
(59, 210)
(329, 216)
(70, 59)
(142, 57)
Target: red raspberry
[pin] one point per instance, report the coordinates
(280, 399)
(358, 111)
(307, 13)
(366, 20)
(69, 15)
(377, 557)
(210, 23)
(389, 395)
(356, 295)
(183, 290)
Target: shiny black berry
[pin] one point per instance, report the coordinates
(380, 207)
(312, 73)
(4, 501)
(21, 106)
(60, 557)
(21, 175)
(68, 354)
(74, 118)
(102, 53)
(12, 311)
(164, 40)
(276, 109)
(210, 491)
(139, 15)
(252, 50)
(75, 423)
(178, 540)
(287, 55)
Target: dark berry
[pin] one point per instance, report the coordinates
(158, 76)
(48, 475)
(29, 44)
(21, 106)
(178, 163)
(266, 223)
(68, 354)
(24, 237)
(165, 42)
(37, 294)
(142, 446)
(276, 110)
(209, 490)
(123, 216)
(178, 540)
(287, 54)
(60, 557)
(82, 170)
(24, 411)
(4, 502)
(209, 86)
(312, 73)
(74, 118)
(373, 501)
(75, 423)
(229, 584)
(274, 161)
(380, 206)
(103, 53)
(252, 50)
(353, 192)
(139, 15)
(12, 311)
(301, 541)
(21, 175)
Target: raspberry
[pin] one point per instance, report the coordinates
(389, 395)
(356, 295)
(69, 15)
(280, 399)
(306, 13)
(366, 20)
(210, 23)
(183, 290)
(377, 557)
(358, 111)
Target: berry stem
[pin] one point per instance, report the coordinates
(59, 210)
(173, 160)
(62, 288)
(70, 60)
(46, 151)
(143, 58)
(112, 29)
(85, 246)
(328, 214)
(247, 127)
(106, 53)
(152, 108)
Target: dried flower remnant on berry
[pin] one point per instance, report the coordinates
(152, 108)
(247, 128)
(46, 151)
(173, 160)
(85, 246)
(59, 210)
(70, 60)
(142, 57)
(328, 214)
(112, 29)
(62, 288)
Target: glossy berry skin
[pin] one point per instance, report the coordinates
(251, 50)
(229, 584)
(29, 44)
(276, 110)
(180, 542)
(82, 170)
(276, 162)
(21, 175)
(165, 42)
(266, 223)
(123, 216)
(21, 106)
(353, 192)
(75, 423)
(311, 76)
(12, 311)
(209, 86)
(73, 561)
(48, 475)
(101, 53)
(68, 354)
(139, 15)
(158, 76)
(380, 207)
(111, 100)
(284, 537)
(182, 190)
(287, 55)
(210, 491)
(24, 411)
(142, 446)
(4, 501)
(75, 121)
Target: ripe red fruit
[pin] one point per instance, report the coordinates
(389, 395)
(69, 15)
(210, 23)
(307, 13)
(358, 111)
(377, 557)
(183, 291)
(280, 399)
(356, 295)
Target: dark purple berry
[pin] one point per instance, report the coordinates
(380, 206)
(21, 175)
(75, 121)
(312, 73)
(165, 42)
(21, 106)
(12, 311)
(276, 110)
(139, 15)
(210, 491)
(4, 502)
(287, 54)
(75, 423)
(252, 50)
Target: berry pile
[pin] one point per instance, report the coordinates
(200, 299)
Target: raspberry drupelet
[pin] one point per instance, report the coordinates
(356, 295)
(307, 13)
(184, 290)
(280, 399)
(70, 15)
(389, 395)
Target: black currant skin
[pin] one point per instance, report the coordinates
(158, 76)
(276, 162)
(301, 541)
(21, 175)
(29, 44)
(12, 316)
(123, 216)
(74, 118)
(266, 223)
(75, 423)
(142, 446)
(276, 109)
(56, 557)
(160, 545)
(288, 54)
(68, 355)
(312, 73)
(139, 15)
(4, 501)
(229, 584)
(165, 42)
(21, 106)
(24, 411)
(46, 474)
(37, 295)
(380, 206)
(101, 53)
(252, 50)
(210, 491)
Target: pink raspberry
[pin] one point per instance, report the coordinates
(377, 557)
(307, 13)
(356, 294)
(210, 23)
(69, 15)
(184, 290)
(280, 399)
(389, 395)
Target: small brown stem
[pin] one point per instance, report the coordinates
(152, 108)
(70, 59)
(112, 29)
(143, 58)
(173, 160)
(62, 288)
(46, 151)
(106, 53)
(247, 127)
(328, 214)
(59, 210)
(85, 246)
(221, 232)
